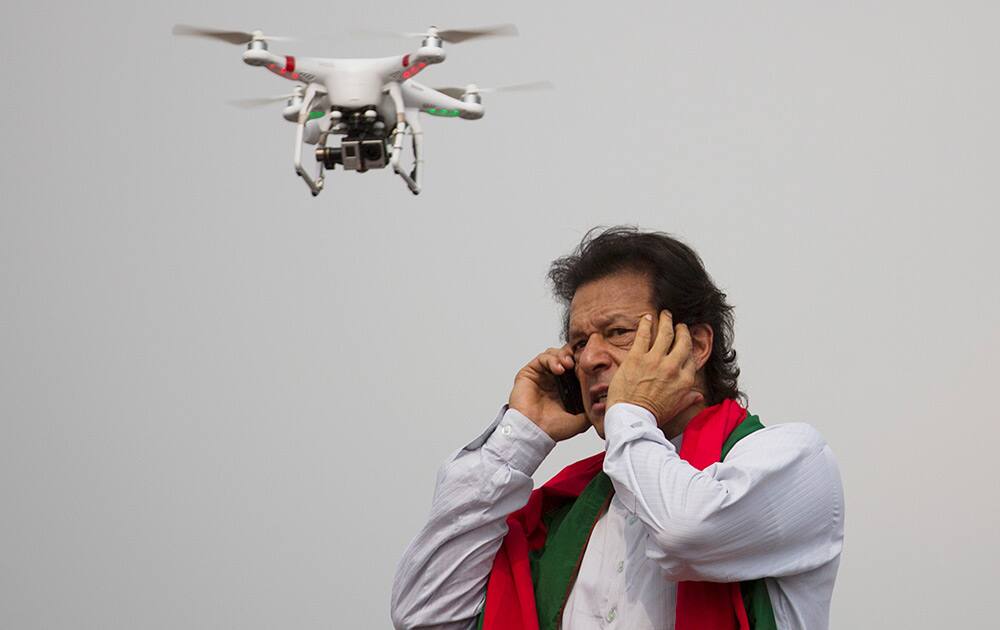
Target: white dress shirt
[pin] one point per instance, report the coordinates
(773, 509)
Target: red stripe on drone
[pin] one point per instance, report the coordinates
(406, 60)
(415, 69)
(289, 64)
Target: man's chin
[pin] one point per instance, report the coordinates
(597, 421)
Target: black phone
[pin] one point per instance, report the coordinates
(569, 391)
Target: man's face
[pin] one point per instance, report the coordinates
(603, 318)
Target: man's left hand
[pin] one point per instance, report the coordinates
(659, 378)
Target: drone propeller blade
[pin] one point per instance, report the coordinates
(452, 36)
(454, 92)
(230, 37)
(521, 87)
(457, 92)
(456, 36)
(249, 103)
(369, 34)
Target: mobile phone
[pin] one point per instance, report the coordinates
(569, 391)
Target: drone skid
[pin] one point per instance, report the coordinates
(408, 120)
(412, 178)
(315, 183)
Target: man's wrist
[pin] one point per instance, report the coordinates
(520, 442)
(544, 428)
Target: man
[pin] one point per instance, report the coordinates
(695, 516)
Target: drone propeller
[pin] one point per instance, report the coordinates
(452, 35)
(457, 92)
(230, 37)
(249, 103)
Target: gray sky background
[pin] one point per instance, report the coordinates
(223, 402)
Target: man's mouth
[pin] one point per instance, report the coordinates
(598, 398)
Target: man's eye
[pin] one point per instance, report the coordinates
(618, 332)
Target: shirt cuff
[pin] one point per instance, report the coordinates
(519, 442)
(623, 420)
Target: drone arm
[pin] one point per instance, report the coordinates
(260, 57)
(426, 56)
(403, 68)
(286, 66)
(471, 111)
(440, 104)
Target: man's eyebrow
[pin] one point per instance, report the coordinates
(604, 321)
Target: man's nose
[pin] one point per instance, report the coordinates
(595, 355)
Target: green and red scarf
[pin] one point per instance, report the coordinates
(537, 563)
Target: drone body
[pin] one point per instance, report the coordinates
(370, 104)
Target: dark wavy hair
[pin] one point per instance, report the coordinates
(679, 282)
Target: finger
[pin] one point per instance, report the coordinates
(566, 357)
(665, 334)
(690, 364)
(642, 333)
(557, 360)
(555, 365)
(692, 360)
(543, 363)
(683, 347)
(693, 397)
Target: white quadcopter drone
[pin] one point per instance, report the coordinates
(372, 103)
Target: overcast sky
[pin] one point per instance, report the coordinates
(223, 402)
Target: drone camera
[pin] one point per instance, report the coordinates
(373, 153)
(329, 157)
(351, 155)
(355, 155)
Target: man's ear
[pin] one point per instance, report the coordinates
(702, 337)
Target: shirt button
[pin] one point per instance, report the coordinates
(506, 430)
(621, 566)
(611, 614)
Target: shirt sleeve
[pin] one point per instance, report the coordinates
(773, 508)
(441, 579)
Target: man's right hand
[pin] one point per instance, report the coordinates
(536, 396)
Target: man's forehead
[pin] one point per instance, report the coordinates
(622, 295)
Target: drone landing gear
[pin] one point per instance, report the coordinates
(412, 178)
(315, 184)
(408, 121)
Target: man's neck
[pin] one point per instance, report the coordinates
(676, 426)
